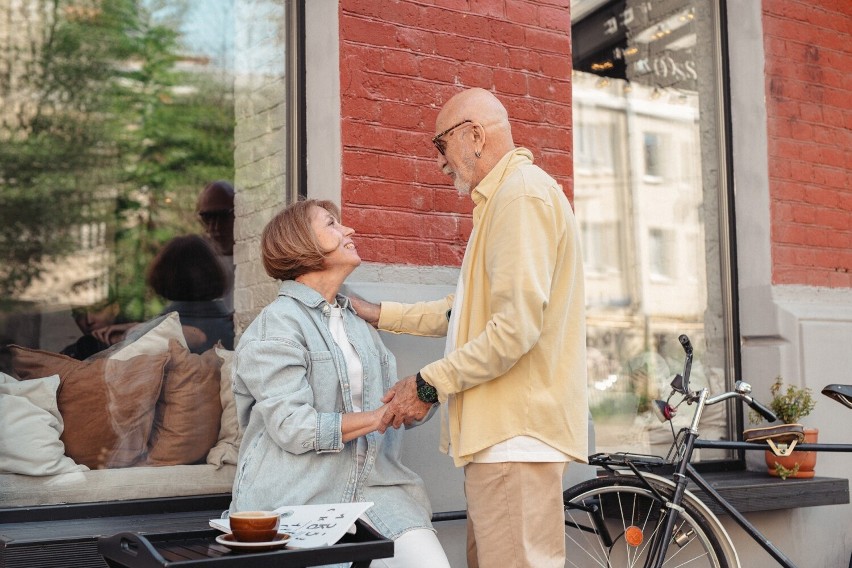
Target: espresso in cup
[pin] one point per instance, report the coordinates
(254, 526)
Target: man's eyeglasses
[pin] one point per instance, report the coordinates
(441, 145)
(210, 217)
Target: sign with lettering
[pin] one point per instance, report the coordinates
(645, 41)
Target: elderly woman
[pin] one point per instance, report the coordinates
(309, 377)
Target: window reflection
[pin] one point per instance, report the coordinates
(646, 175)
(115, 117)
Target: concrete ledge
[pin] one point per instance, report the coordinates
(750, 491)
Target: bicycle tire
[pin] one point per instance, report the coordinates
(610, 523)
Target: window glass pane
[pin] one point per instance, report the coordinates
(115, 115)
(647, 193)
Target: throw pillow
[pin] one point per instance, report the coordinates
(186, 422)
(30, 425)
(227, 447)
(107, 405)
(148, 338)
(106, 435)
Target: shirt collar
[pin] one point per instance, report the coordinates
(308, 296)
(492, 180)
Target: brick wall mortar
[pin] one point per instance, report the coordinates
(809, 108)
(398, 67)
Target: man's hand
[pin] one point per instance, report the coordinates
(368, 311)
(113, 333)
(403, 405)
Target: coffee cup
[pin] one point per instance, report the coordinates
(254, 526)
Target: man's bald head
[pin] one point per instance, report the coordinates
(477, 105)
(479, 146)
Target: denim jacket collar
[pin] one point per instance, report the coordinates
(308, 296)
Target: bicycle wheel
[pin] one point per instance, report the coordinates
(611, 522)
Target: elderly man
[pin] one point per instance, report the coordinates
(215, 210)
(514, 372)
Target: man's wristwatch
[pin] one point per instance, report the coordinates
(425, 391)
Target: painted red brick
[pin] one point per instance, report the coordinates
(400, 61)
(808, 62)
(522, 12)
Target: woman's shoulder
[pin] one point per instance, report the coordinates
(285, 318)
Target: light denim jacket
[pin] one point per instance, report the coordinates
(291, 390)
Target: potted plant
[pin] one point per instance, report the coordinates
(790, 404)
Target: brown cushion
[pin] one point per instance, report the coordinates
(186, 422)
(107, 405)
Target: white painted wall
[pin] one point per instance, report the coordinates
(803, 334)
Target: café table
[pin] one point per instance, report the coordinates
(200, 548)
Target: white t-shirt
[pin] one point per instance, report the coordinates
(354, 371)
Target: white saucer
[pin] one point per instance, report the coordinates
(280, 541)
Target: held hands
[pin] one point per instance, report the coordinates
(403, 406)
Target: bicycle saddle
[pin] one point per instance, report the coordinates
(781, 438)
(840, 393)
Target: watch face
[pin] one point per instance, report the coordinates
(426, 392)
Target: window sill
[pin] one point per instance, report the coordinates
(750, 491)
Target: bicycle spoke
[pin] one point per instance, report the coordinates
(595, 544)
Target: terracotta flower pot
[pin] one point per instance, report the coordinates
(806, 460)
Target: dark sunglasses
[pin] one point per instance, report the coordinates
(441, 145)
(208, 217)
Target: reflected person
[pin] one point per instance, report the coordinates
(101, 324)
(187, 272)
(215, 210)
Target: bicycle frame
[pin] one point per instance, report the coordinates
(684, 471)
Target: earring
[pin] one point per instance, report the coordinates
(478, 154)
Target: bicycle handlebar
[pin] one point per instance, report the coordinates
(741, 390)
(759, 408)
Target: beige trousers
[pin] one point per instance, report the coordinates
(515, 516)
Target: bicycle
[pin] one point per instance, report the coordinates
(632, 517)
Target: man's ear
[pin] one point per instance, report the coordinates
(478, 138)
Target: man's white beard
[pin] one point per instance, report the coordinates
(462, 187)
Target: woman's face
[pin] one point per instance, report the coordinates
(334, 239)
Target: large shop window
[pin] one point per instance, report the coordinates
(650, 191)
(118, 122)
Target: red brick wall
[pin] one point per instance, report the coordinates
(809, 110)
(400, 60)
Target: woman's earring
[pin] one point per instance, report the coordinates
(478, 154)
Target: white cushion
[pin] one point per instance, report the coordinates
(149, 338)
(30, 426)
(227, 447)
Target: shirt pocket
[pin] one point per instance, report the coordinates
(324, 379)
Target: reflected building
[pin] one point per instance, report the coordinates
(643, 129)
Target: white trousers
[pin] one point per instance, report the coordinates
(418, 548)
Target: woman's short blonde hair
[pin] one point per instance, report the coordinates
(288, 245)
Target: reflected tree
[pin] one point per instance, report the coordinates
(112, 126)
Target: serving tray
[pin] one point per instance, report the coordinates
(199, 548)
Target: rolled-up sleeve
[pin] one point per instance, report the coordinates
(428, 319)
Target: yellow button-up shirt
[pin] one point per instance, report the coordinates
(519, 364)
